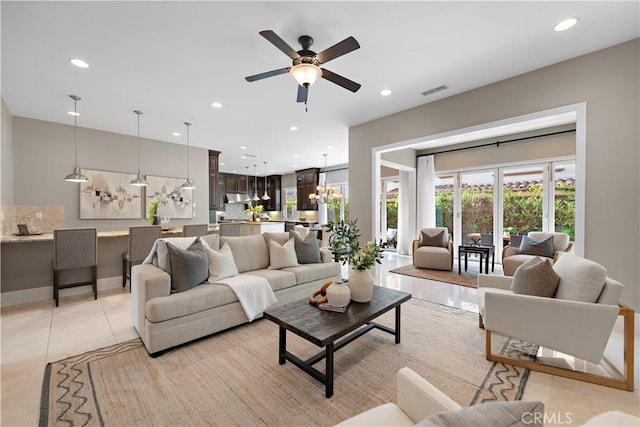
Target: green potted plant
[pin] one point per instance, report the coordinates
(253, 210)
(154, 218)
(345, 245)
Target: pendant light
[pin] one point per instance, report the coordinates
(266, 196)
(139, 180)
(247, 199)
(325, 193)
(76, 175)
(255, 184)
(188, 184)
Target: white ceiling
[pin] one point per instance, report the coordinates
(172, 59)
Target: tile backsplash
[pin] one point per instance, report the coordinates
(45, 218)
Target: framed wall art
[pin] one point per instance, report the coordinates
(108, 195)
(175, 202)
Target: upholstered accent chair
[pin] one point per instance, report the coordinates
(141, 241)
(75, 249)
(433, 250)
(512, 256)
(195, 230)
(571, 322)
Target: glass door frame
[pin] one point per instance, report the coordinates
(548, 198)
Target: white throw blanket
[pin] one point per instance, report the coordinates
(253, 292)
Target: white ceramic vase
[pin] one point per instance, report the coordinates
(338, 295)
(361, 285)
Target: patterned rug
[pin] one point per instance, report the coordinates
(466, 278)
(233, 378)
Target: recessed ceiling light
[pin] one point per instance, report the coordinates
(295, 166)
(272, 170)
(176, 134)
(385, 92)
(330, 147)
(216, 105)
(79, 63)
(73, 113)
(294, 128)
(566, 24)
(234, 171)
(243, 157)
(295, 156)
(221, 164)
(243, 147)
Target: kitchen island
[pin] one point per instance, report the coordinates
(247, 228)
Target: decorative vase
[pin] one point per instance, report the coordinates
(338, 295)
(156, 220)
(361, 285)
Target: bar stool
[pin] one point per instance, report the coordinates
(75, 248)
(141, 241)
(195, 230)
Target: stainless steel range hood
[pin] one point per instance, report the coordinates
(235, 198)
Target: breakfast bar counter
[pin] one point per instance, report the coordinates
(27, 263)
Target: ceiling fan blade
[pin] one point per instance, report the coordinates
(303, 93)
(267, 74)
(340, 81)
(279, 43)
(345, 46)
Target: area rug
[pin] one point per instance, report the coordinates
(233, 378)
(464, 279)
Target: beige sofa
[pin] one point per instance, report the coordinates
(418, 399)
(164, 320)
(512, 258)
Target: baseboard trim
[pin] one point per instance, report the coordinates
(45, 293)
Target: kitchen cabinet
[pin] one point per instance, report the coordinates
(214, 200)
(274, 184)
(306, 183)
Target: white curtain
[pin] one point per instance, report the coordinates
(406, 211)
(426, 198)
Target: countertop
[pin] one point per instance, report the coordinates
(48, 237)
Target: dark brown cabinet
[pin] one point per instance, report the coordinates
(274, 184)
(307, 183)
(214, 200)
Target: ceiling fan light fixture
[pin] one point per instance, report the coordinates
(306, 74)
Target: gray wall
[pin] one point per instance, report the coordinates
(608, 82)
(6, 154)
(44, 155)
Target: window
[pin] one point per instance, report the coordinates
(338, 209)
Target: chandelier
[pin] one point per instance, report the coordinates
(325, 193)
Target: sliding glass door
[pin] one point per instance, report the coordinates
(507, 200)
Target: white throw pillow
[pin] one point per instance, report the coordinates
(282, 256)
(580, 279)
(221, 264)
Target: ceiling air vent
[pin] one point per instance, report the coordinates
(434, 90)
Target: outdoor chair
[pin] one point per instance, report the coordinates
(392, 237)
(141, 241)
(75, 249)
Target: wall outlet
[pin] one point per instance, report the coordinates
(38, 215)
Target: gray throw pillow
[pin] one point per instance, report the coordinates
(535, 277)
(307, 249)
(494, 414)
(543, 247)
(435, 239)
(189, 267)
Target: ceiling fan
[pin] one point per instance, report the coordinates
(306, 63)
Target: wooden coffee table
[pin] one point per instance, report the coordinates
(324, 328)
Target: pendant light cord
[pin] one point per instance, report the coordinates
(75, 129)
(138, 114)
(188, 164)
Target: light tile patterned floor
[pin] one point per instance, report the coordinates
(39, 333)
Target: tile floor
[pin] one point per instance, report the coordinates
(35, 334)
